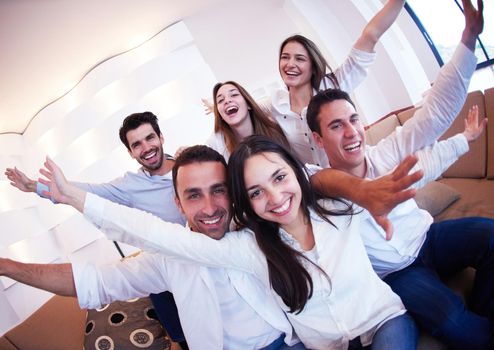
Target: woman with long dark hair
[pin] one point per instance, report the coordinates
(307, 252)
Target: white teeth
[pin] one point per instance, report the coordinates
(231, 110)
(211, 222)
(282, 208)
(291, 73)
(150, 155)
(352, 146)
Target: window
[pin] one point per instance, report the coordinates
(442, 22)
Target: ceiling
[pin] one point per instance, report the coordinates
(48, 45)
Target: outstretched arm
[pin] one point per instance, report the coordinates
(19, 180)
(378, 196)
(55, 278)
(378, 25)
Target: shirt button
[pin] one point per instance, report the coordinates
(284, 116)
(305, 134)
(318, 164)
(312, 148)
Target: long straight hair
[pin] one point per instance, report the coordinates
(287, 275)
(261, 123)
(320, 67)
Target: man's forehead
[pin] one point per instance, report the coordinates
(200, 175)
(141, 131)
(337, 109)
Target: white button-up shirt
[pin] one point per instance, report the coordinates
(355, 303)
(349, 75)
(251, 320)
(442, 104)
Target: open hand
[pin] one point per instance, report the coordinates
(381, 195)
(19, 180)
(472, 127)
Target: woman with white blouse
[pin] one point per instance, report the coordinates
(305, 71)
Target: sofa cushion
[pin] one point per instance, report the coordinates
(380, 130)
(64, 315)
(476, 199)
(489, 113)
(5, 344)
(435, 197)
(472, 164)
(131, 324)
(403, 116)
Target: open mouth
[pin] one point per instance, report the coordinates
(291, 73)
(150, 155)
(231, 110)
(211, 221)
(282, 209)
(353, 147)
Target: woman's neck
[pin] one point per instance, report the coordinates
(300, 98)
(243, 130)
(302, 232)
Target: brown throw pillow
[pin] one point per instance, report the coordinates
(123, 325)
(435, 197)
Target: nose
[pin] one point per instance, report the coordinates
(350, 131)
(275, 197)
(209, 206)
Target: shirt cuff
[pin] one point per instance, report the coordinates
(468, 59)
(93, 208)
(363, 56)
(461, 144)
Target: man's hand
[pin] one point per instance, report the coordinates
(381, 195)
(20, 180)
(59, 188)
(472, 127)
(474, 23)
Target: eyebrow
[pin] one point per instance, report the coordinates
(232, 89)
(197, 189)
(339, 120)
(133, 144)
(273, 175)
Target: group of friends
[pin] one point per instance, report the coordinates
(287, 231)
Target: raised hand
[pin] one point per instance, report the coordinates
(59, 188)
(474, 22)
(19, 180)
(472, 127)
(208, 106)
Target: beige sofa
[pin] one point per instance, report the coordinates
(471, 179)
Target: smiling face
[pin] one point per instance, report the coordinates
(295, 65)
(232, 106)
(146, 147)
(342, 137)
(202, 196)
(273, 190)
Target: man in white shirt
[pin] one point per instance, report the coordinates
(420, 252)
(218, 308)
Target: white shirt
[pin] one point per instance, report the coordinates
(442, 104)
(349, 75)
(326, 322)
(218, 308)
(217, 142)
